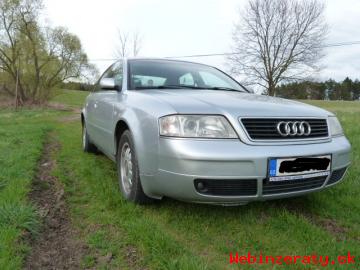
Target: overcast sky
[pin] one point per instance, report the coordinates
(187, 27)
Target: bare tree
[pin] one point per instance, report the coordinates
(278, 40)
(121, 49)
(136, 43)
(128, 44)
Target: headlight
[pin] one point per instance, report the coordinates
(196, 126)
(335, 126)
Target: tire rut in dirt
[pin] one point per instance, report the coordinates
(57, 246)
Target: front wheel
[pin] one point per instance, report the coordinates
(128, 171)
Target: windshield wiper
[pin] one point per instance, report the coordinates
(224, 88)
(186, 87)
(158, 87)
(210, 88)
(168, 86)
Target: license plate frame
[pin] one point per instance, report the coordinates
(275, 176)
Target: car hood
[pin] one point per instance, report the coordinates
(234, 103)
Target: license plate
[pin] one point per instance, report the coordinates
(297, 168)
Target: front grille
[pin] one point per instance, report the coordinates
(336, 176)
(292, 185)
(219, 187)
(265, 128)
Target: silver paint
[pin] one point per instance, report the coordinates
(168, 166)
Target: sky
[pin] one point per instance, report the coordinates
(176, 28)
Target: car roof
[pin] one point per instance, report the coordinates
(164, 59)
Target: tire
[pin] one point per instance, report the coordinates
(87, 145)
(128, 171)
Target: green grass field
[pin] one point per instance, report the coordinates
(169, 234)
(70, 98)
(21, 140)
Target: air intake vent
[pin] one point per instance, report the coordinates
(292, 185)
(336, 176)
(271, 129)
(218, 187)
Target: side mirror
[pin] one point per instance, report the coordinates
(107, 84)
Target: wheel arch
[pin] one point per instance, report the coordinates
(82, 119)
(120, 128)
(147, 162)
(144, 131)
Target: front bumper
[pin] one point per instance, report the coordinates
(181, 161)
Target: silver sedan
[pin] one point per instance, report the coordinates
(191, 132)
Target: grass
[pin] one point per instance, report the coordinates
(169, 234)
(21, 141)
(177, 235)
(351, 107)
(71, 98)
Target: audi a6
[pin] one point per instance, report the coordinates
(191, 132)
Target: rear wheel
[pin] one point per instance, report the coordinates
(87, 145)
(128, 171)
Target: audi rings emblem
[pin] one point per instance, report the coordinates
(293, 128)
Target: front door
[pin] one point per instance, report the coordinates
(102, 110)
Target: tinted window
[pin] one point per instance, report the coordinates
(150, 74)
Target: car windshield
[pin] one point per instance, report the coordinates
(167, 74)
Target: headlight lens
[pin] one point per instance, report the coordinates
(196, 126)
(335, 126)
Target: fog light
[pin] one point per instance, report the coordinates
(201, 186)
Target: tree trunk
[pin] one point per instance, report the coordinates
(271, 89)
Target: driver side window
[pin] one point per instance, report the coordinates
(118, 75)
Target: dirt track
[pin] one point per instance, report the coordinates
(57, 246)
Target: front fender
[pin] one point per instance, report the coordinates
(145, 133)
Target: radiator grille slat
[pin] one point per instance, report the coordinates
(266, 129)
